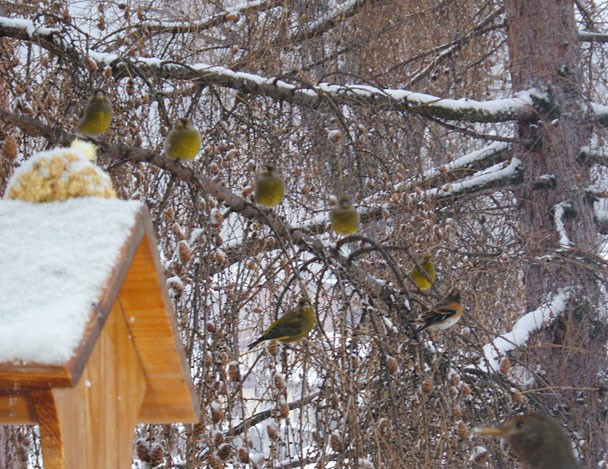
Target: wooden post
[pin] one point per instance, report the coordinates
(92, 424)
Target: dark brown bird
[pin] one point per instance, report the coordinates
(537, 440)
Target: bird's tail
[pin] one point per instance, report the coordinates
(253, 344)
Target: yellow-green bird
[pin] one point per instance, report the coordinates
(425, 280)
(292, 326)
(96, 116)
(183, 141)
(344, 217)
(538, 440)
(269, 187)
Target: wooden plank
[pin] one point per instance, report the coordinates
(31, 375)
(51, 437)
(17, 408)
(170, 396)
(92, 425)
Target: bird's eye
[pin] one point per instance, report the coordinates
(520, 424)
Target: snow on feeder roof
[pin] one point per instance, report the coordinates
(66, 267)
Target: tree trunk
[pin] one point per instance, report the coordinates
(544, 54)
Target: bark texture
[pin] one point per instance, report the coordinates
(544, 54)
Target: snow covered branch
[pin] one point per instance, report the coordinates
(499, 175)
(468, 161)
(304, 94)
(587, 36)
(520, 106)
(523, 330)
(313, 96)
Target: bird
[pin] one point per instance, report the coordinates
(269, 187)
(294, 325)
(444, 314)
(183, 141)
(344, 217)
(538, 441)
(96, 116)
(423, 274)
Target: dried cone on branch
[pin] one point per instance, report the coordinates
(9, 148)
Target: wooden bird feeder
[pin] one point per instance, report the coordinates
(128, 365)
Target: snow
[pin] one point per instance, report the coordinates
(56, 258)
(478, 452)
(522, 330)
(468, 159)
(600, 110)
(558, 217)
(490, 175)
(28, 26)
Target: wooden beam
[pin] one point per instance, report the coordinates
(16, 408)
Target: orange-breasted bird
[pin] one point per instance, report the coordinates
(444, 314)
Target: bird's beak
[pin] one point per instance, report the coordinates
(492, 431)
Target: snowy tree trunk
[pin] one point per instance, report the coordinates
(544, 55)
(555, 214)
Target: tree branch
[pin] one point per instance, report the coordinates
(312, 96)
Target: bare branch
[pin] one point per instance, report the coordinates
(165, 27)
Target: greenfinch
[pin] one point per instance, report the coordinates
(537, 440)
(183, 141)
(292, 326)
(269, 187)
(344, 217)
(425, 280)
(444, 314)
(97, 115)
